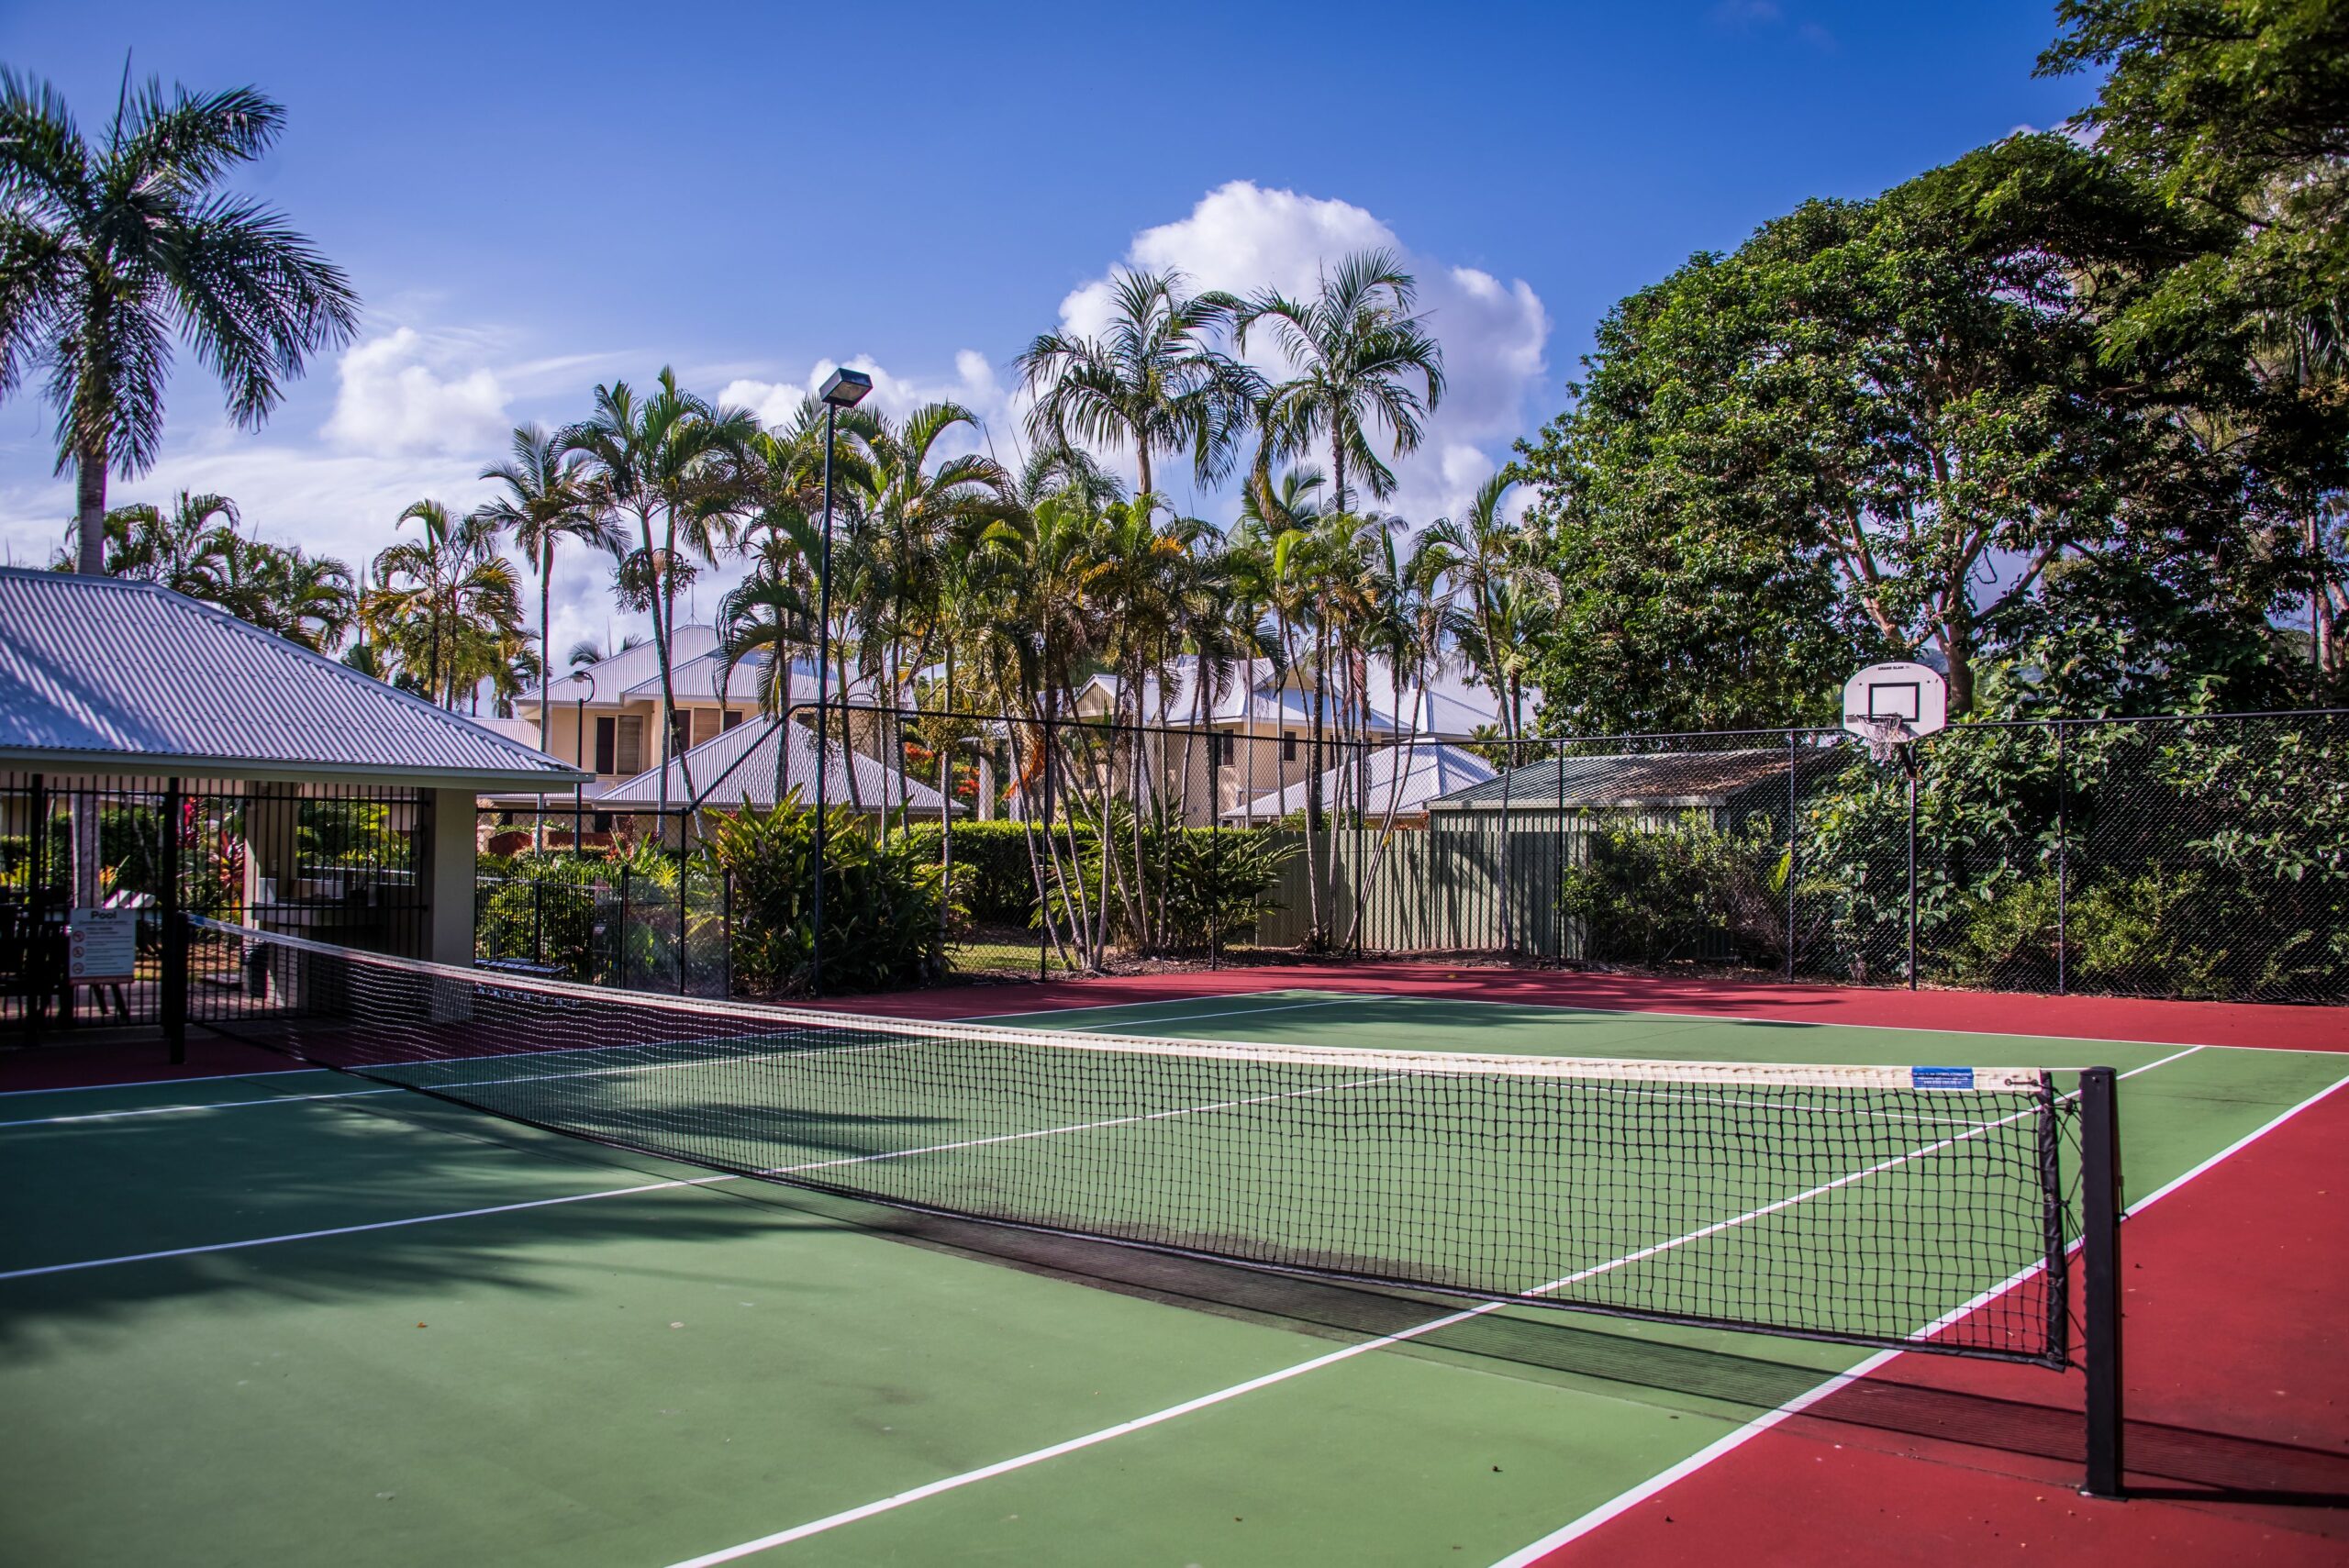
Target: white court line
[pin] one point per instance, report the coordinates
(214, 1106)
(159, 1082)
(1222, 1395)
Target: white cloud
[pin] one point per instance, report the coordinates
(400, 393)
(1242, 238)
(974, 386)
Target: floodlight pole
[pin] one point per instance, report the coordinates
(843, 389)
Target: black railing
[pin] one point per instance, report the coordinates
(338, 863)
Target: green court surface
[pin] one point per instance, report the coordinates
(243, 1326)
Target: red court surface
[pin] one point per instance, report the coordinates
(2238, 1413)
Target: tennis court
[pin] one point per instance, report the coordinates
(298, 1314)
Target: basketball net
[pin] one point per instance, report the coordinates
(1885, 736)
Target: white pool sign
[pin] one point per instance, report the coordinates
(101, 945)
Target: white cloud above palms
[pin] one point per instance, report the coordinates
(1243, 236)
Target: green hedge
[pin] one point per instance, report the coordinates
(994, 882)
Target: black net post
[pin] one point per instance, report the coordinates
(2100, 1269)
(174, 933)
(681, 874)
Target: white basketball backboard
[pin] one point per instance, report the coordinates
(1913, 694)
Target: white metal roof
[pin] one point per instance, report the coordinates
(1444, 705)
(634, 676)
(108, 674)
(740, 765)
(1386, 784)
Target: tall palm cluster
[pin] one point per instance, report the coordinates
(195, 548)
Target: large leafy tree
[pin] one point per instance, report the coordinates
(112, 253)
(1151, 379)
(1356, 347)
(2238, 111)
(1891, 418)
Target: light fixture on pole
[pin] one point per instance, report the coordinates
(844, 388)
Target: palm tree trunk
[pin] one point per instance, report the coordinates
(1319, 871)
(90, 510)
(546, 668)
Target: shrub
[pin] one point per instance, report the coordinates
(2003, 939)
(1645, 894)
(885, 904)
(1198, 884)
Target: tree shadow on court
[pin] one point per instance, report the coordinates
(383, 1198)
(2166, 1461)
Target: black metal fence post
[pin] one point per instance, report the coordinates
(1793, 806)
(174, 999)
(2100, 1198)
(2063, 861)
(1044, 924)
(1910, 758)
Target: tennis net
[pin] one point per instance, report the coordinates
(1922, 1207)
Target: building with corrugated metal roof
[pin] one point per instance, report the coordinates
(156, 752)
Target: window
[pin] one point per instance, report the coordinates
(606, 743)
(1227, 748)
(1288, 745)
(631, 744)
(733, 718)
(680, 730)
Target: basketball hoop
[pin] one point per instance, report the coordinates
(1885, 736)
(1888, 705)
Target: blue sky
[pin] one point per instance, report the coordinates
(533, 199)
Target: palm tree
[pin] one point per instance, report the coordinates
(587, 651)
(1354, 346)
(1151, 381)
(302, 598)
(1488, 555)
(110, 253)
(678, 465)
(448, 595)
(548, 498)
(144, 541)
(1413, 623)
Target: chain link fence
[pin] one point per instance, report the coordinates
(2188, 856)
